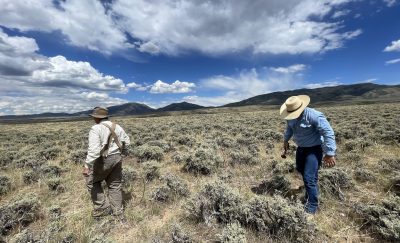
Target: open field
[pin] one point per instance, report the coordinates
(205, 178)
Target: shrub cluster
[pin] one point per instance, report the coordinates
(275, 216)
(383, 219)
(277, 184)
(233, 233)
(333, 181)
(5, 185)
(20, 212)
(173, 187)
(203, 161)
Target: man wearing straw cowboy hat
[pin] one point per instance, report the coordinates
(315, 139)
(103, 163)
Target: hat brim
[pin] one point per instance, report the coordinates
(98, 116)
(295, 114)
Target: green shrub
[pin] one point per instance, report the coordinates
(151, 170)
(278, 183)
(333, 181)
(216, 201)
(128, 176)
(146, 152)
(383, 220)
(279, 218)
(233, 233)
(20, 212)
(5, 185)
(203, 161)
(178, 235)
(30, 177)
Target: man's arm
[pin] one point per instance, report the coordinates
(93, 149)
(125, 138)
(286, 137)
(329, 146)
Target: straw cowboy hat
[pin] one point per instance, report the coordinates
(294, 106)
(99, 112)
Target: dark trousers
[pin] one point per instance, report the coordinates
(109, 170)
(308, 161)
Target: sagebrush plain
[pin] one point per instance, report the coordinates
(212, 177)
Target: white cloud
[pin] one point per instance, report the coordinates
(390, 3)
(323, 84)
(290, 69)
(149, 47)
(33, 83)
(393, 61)
(370, 80)
(174, 27)
(249, 83)
(340, 13)
(394, 46)
(85, 23)
(160, 87)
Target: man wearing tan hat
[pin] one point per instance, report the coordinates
(315, 139)
(104, 163)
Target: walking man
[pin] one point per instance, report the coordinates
(104, 163)
(315, 139)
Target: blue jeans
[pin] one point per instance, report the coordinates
(308, 161)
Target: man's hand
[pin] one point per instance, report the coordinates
(330, 161)
(285, 149)
(85, 171)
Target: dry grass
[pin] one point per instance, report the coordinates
(366, 135)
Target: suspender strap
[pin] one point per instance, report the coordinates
(112, 136)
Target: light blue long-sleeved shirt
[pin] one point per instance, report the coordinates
(311, 129)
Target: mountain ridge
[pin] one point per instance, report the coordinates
(353, 93)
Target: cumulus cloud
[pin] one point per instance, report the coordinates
(33, 83)
(84, 23)
(249, 83)
(323, 84)
(390, 3)
(394, 46)
(393, 61)
(174, 27)
(159, 87)
(340, 13)
(291, 69)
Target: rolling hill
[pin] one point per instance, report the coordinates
(342, 94)
(355, 93)
(182, 106)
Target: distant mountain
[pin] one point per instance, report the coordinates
(122, 110)
(355, 93)
(183, 106)
(342, 94)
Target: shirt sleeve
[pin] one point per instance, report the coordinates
(288, 133)
(326, 131)
(124, 137)
(94, 148)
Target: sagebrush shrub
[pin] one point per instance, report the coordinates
(30, 177)
(151, 170)
(333, 181)
(382, 219)
(20, 212)
(203, 161)
(5, 185)
(178, 235)
(233, 233)
(146, 152)
(216, 201)
(279, 218)
(277, 184)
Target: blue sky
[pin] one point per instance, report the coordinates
(72, 55)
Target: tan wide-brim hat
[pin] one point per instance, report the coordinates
(294, 106)
(99, 112)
